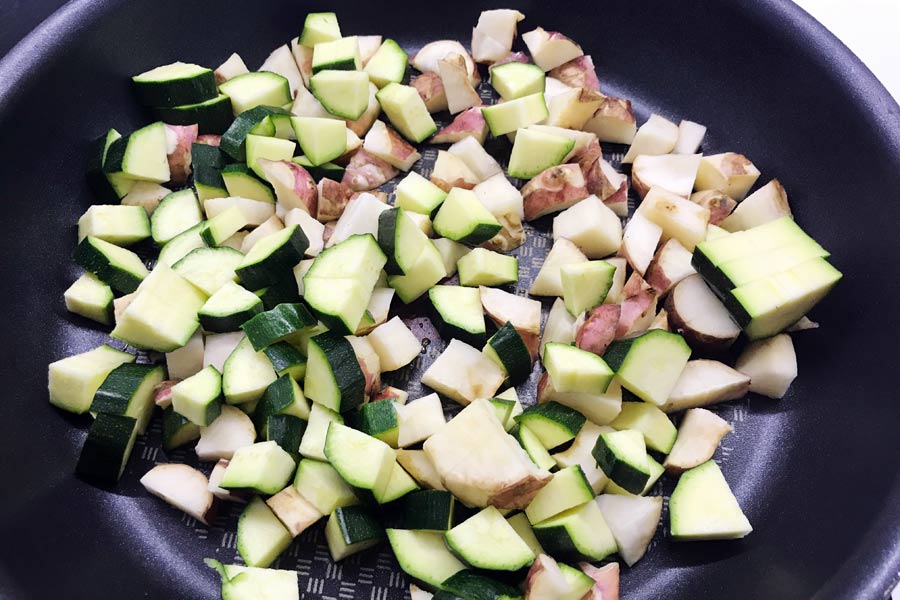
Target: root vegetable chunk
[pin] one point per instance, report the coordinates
(700, 317)
(698, 437)
(657, 136)
(590, 225)
(639, 242)
(183, 487)
(599, 329)
(613, 121)
(294, 186)
(718, 204)
(457, 86)
(578, 73)
(548, 281)
(771, 365)
(550, 49)
(671, 264)
(492, 37)
(367, 172)
(672, 172)
(178, 151)
(469, 123)
(554, 190)
(463, 373)
(679, 218)
(730, 172)
(766, 204)
(705, 382)
(480, 463)
(431, 90)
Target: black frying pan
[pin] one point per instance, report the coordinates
(817, 472)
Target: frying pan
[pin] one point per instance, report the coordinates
(816, 473)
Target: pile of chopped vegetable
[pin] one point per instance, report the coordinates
(269, 316)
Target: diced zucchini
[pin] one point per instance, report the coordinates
(509, 351)
(417, 194)
(344, 94)
(429, 510)
(107, 448)
(106, 187)
(117, 224)
(400, 483)
(703, 507)
(177, 430)
(580, 533)
(653, 466)
(287, 360)
(121, 269)
(406, 111)
(463, 218)
(572, 369)
(553, 423)
(388, 64)
(180, 245)
(469, 584)
(532, 445)
(427, 271)
(318, 28)
(313, 443)
(91, 298)
(507, 117)
(586, 284)
(322, 140)
(283, 291)
(246, 374)
(199, 397)
(269, 148)
(211, 116)
(649, 365)
(264, 467)
(568, 488)
(487, 541)
(256, 120)
(261, 537)
(282, 397)
(241, 182)
(334, 378)
(424, 555)
(622, 455)
(458, 313)
(352, 529)
(176, 213)
(272, 258)
(522, 526)
(140, 155)
(277, 324)
(363, 461)
(322, 486)
(401, 241)
(163, 314)
(248, 583)
(486, 267)
(175, 84)
(516, 80)
(209, 269)
(286, 431)
(256, 89)
(378, 419)
(341, 54)
(535, 151)
(229, 308)
(129, 390)
(658, 431)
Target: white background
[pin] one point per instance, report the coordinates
(871, 28)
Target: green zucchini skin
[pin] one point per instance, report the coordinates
(197, 88)
(471, 585)
(428, 509)
(286, 360)
(348, 375)
(286, 431)
(204, 155)
(283, 291)
(96, 178)
(358, 524)
(177, 430)
(513, 353)
(233, 140)
(107, 448)
(90, 258)
(623, 474)
(274, 325)
(277, 266)
(212, 116)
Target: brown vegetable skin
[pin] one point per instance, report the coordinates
(599, 329)
(163, 393)
(719, 204)
(333, 199)
(666, 269)
(294, 186)
(510, 237)
(379, 195)
(519, 57)
(450, 171)
(701, 341)
(553, 190)
(431, 90)
(470, 122)
(180, 157)
(384, 394)
(366, 172)
(606, 578)
(329, 229)
(210, 139)
(612, 193)
(638, 305)
(578, 73)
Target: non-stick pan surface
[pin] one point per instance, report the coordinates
(817, 472)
